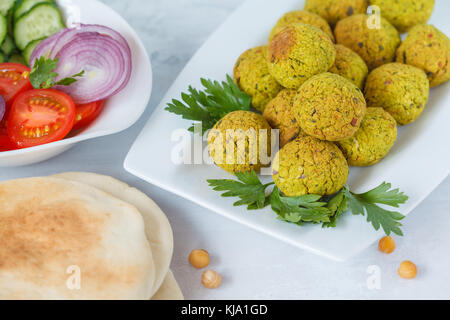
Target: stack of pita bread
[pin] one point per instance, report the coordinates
(83, 236)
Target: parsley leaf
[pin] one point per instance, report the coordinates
(249, 189)
(382, 195)
(366, 203)
(69, 81)
(42, 72)
(305, 208)
(210, 105)
(42, 75)
(337, 206)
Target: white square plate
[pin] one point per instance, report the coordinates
(417, 164)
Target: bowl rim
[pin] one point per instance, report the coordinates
(83, 136)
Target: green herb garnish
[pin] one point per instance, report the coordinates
(249, 189)
(366, 203)
(253, 194)
(42, 75)
(298, 210)
(211, 104)
(337, 206)
(314, 208)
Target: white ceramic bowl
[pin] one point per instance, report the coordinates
(122, 110)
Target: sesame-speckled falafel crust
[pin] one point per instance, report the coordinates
(400, 89)
(404, 14)
(350, 65)
(329, 107)
(298, 52)
(241, 122)
(373, 141)
(279, 115)
(375, 46)
(253, 77)
(302, 16)
(310, 166)
(427, 48)
(333, 11)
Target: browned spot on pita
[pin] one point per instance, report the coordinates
(41, 238)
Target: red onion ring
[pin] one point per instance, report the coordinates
(64, 39)
(46, 46)
(68, 36)
(2, 108)
(102, 60)
(104, 45)
(106, 31)
(119, 38)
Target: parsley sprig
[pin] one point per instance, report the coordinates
(337, 206)
(366, 203)
(211, 104)
(42, 75)
(298, 210)
(314, 208)
(249, 189)
(253, 194)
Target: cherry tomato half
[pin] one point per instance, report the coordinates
(13, 80)
(40, 116)
(5, 142)
(87, 113)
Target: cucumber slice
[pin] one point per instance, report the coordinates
(28, 51)
(3, 28)
(5, 6)
(41, 21)
(8, 46)
(23, 6)
(2, 57)
(17, 58)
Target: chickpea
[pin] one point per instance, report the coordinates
(211, 279)
(386, 245)
(199, 258)
(407, 270)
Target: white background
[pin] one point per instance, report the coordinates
(254, 266)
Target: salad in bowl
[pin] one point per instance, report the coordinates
(57, 81)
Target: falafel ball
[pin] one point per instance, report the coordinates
(298, 52)
(329, 107)
(310, 166)
(333, 11)
(405, 14)
(402, 90)
(427, 48)
(279, 115)
(253, 77)
(376, 46)
(350, 65)
(373, 141)
(302, 16)
(240, 142)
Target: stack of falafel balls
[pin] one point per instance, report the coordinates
(335, 97)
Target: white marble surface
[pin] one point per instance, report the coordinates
(254, 266)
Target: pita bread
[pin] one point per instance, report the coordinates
(169, 289)
(50, 226)
(158, 229)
